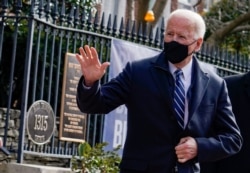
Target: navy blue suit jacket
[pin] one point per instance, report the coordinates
(146, 88)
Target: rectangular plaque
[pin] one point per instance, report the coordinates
(72, 120)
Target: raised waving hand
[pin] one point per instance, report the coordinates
(92, 69)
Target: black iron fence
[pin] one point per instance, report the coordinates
(32, 53)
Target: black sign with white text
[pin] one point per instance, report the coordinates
(72, 120)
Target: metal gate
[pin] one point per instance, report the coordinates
(32, 59)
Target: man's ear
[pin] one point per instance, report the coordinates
(198, 44)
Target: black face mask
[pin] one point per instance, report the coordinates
(176, 52)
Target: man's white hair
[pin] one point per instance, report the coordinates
(199, 23)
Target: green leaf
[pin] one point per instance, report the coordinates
(84, 149)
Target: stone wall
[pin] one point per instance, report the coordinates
(12, 143)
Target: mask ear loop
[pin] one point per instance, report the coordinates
(193, 50)
(192, 42)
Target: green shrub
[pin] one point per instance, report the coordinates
(95, 159)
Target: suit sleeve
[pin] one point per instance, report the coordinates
(226, 139)
(104, 98)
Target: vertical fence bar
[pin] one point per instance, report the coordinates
(2, 24)
(36, 60)
(31, 25)
(12, 68)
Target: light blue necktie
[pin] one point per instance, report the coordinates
(179, 98)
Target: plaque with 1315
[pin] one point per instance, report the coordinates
(41, 122)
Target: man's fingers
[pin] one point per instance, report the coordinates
(182, 160)
(79, 58)
(94, 53)
(82, 52)
(183, 140)
(88, 52)
(104, 66)
(186, 149)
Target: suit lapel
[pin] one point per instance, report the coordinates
(163, 80)
(197, 88)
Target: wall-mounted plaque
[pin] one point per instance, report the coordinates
(72, 120)
(40, 122)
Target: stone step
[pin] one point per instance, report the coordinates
(28, 168)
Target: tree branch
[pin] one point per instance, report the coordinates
(218, 36)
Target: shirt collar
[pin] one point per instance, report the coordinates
(187, 70)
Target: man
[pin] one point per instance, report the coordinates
(239, 93)
(156, 141)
